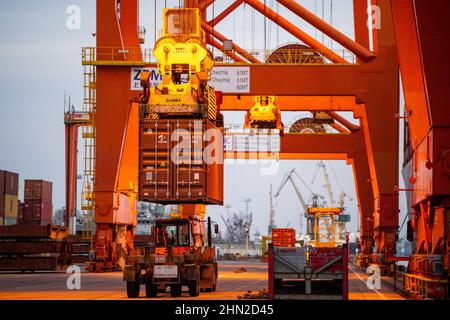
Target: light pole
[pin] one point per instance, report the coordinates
(246, 239)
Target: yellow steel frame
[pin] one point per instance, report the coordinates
(264, 245)
(324, 225)
(88, 134)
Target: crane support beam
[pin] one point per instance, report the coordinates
(205, 4)
(347, 124)
(298, 33)
(71, 135)
(113, 101)
(348, 147)
(309, 146)
(306, 80)
(210, 30)
(294, 103)
(361, 52)
(225, 13)
(360, 9)
(423, 39)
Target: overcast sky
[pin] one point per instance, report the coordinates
(40, 61)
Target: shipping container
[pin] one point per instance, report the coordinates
(11, 186)
(2, 204)
(283, 237)
(36, 212)
(180, 162)
(2, 181)
(10, 206)
(38, 190)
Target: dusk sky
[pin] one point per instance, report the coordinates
(40, 59)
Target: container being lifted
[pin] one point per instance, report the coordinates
(181, 127)
(176, 165)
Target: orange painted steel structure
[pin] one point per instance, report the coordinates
(369, 89)
(423, 38)
(344, 87)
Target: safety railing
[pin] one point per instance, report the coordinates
(94, 55)
(290, 56)
(300, 125)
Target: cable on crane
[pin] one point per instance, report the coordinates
(269, 33)
(331, 22)
(245, 33)
(154, 31)
(404, 220)
(234, 25)
(315, 12)
(278, 26)
(213, 17)
(253, 30)
(323, 17)
(265, 30)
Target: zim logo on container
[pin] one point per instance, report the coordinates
(155, 77)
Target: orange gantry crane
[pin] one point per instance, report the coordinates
(423, 44)
(412, 36)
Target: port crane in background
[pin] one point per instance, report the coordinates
(321, 165)
(314, 199)
(342, 194)
(271, 212)
(340, 222)
(414, 37)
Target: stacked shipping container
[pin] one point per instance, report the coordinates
(9, 200)
(283, 237)
(37, 208)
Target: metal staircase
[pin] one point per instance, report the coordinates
(88, 134)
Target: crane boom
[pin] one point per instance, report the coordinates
(271, 212)
(327, 184)
(288, 177)
(342, 194)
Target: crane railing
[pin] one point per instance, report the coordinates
(288, 56)
(117, 56)
(138, 56)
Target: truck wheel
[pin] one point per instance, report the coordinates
(151, 290)
(175, 290)
(194, 288)
(133, 288)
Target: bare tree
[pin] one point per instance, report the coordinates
(58, 216)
